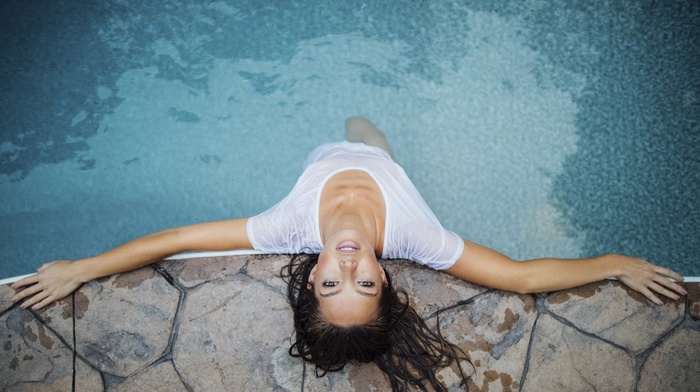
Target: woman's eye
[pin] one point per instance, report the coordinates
(366, 284)
(329, 283)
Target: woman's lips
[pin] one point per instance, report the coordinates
(348, 247)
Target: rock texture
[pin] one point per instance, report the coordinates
(222, 323)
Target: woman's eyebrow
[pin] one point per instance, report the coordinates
(332, 293)
(367, 294)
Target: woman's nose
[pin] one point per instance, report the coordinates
(348, 264)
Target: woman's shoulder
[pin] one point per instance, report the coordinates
(423, 243)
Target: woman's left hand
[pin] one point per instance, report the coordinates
(649, 279)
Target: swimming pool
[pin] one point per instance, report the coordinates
(536, 130)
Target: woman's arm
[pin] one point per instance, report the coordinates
(57, 279)
(487, 267)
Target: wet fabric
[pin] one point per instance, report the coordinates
(411, 229)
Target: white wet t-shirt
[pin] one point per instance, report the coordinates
(411, 229)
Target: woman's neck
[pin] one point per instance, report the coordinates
(352, 202)
(351, 218)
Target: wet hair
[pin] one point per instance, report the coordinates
(398, 341)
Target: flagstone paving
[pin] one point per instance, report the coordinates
(223, 324)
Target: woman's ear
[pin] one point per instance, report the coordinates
(384, 281)
(312, 278)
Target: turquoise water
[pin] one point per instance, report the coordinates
(538, 130)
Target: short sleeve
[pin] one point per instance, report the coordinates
(282, 230)
(429, 245)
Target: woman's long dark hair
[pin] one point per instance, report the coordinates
(398, 341)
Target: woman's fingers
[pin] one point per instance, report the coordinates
(34, 299)
(673, 286)
(36, 296)
(649, 294)
(667, 272)
(29, 291)
(652, 280)
(663, 291)
(662, 285)
(44, 287)
(25, 282)
(38, 301)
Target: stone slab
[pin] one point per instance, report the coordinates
(229, 331)
(693, 300)
(421, 283)
(223, 324)
(563, 359)
(614, 312)
(674, 365)
(123, 322)
(33, 358)
(159, 377)
(196, 271)
(495, 331)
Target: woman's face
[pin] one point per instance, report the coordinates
(347, 281)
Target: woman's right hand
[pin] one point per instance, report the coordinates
(52, 282)
(57, 279)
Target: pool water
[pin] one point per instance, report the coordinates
(535, 129)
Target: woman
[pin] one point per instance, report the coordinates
(351, 205)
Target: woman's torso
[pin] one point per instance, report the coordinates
(410, 229)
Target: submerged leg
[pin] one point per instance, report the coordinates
(360, 129)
